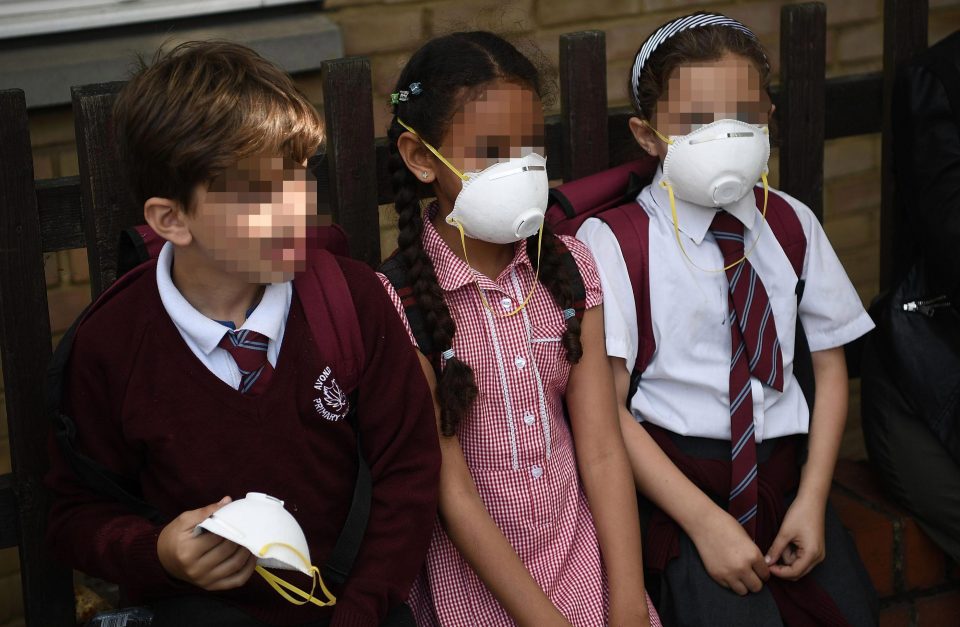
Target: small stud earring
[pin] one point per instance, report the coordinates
(424, 175)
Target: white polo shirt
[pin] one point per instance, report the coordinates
(685, 388)
(203, 334)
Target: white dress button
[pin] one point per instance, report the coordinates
(506, 303)
(519, 362)
(528, 419)
(536, 472)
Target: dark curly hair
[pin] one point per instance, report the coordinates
(453, 69)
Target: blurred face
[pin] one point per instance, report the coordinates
(505, 121)
(701, 93)
(252, 220)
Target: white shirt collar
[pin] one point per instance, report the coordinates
(267, 318)
(694, 220)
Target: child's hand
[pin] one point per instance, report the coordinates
(799, 546)
(729, 555)
(206, 560)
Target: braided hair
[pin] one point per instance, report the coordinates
(452, 70)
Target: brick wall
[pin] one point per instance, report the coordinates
(387, 31)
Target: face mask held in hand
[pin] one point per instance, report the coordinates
(260, 524)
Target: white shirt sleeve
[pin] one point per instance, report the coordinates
(830, 309)
(619, 310)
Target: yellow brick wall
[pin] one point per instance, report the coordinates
(387, 31)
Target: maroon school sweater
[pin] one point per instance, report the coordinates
(146, 408)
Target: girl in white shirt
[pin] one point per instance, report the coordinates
(699, 90)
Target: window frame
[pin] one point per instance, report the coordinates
(55, 17)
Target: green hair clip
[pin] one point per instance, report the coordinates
(404, 94)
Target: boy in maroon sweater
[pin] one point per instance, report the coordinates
(216, 139)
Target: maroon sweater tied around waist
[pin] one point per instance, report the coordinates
(802, 603)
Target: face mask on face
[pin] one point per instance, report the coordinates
(717, 164)
(260, 524)
(501, 204)
(504, 203)
(714, 166)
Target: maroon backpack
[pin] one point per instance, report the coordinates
(611, 196)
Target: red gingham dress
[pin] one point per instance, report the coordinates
(517, 444)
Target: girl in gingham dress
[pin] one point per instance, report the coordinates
(538, 518)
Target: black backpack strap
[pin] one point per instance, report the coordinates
(93, 474)
(338, 566)
(803, 358)
(131, 251)
(945, 70)
(396, 271)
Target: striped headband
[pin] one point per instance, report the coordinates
(668, 30)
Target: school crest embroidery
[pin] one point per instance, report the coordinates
(333, 404)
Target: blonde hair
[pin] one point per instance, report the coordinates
(201, 107)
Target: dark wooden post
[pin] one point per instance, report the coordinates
(108, 203)
(25, 349)
(904, 35)
(583, 103)
(351, 158)
(803, 36)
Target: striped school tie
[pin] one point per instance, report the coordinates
(249, 351)
(755, 350)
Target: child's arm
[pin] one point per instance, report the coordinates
(729, 555)
(396, 424)
(480, 541)
(799, 544)
(469, 525)
(103, 537)
(605, 472)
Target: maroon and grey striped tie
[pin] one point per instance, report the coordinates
(249, 350)
(755, 350)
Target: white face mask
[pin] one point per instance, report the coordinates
(717, 164)
(260, 524)
(501, 204)
(504, 203)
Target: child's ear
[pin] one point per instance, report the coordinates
(166, 217)
(647, 139)
(418, 159)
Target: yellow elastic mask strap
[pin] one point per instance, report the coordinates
(435, 152)
(676, 226)
(666, 139)
(282, 586)
(483, 297)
